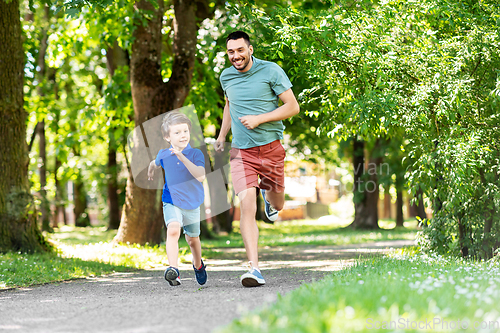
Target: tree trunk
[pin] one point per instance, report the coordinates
(489, 216)
(45, 205)
(437, 204)
(113, 201)
(18, 228)
(462, 238)
(60, 195)
(387, 202)
(399, 208)
(141, 219)
(419, 208)
(399, 184)
(365, 191)
(115, 57)
(80, 201)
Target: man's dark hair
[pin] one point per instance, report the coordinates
(237, 35)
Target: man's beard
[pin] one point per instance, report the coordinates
(245, 63)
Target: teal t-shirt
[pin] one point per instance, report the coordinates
(251, 93)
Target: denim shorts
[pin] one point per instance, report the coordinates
(188, 218)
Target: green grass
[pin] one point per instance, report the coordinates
(94, 244)
(308, 233)
(390, 294)
(71, 235)
(81, 252)
(22, 270)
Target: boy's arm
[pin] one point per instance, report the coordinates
(197, 171)
(151, 169)
(224, 129)
(289, 108)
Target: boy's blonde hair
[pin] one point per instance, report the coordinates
(173, 118)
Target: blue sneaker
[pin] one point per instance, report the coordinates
(271, 213)
(172, 276)
(201, 274)
(252, 278)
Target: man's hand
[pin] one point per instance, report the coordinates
(250, 122)
(151, 170)
(224, 129)
(219, 144)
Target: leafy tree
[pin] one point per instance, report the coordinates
(454, 101)
(141, 219)
(428, 68)
(18, 228)
(339, 50)
(425, 68)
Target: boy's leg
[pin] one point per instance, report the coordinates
(248, 225)
(192, 232)
(195, 246)
(173, 234)
(191, 219)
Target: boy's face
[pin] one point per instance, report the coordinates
(179, 136)
(240, 54)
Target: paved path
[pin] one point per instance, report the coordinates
(144, 302)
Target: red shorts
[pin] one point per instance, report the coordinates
(266, 162)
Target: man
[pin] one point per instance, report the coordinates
(253, 88)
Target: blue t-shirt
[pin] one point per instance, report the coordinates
(181, 188)
(251, 93)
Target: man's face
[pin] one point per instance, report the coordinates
(240, 54)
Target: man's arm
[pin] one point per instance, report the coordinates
(289, 108)
(224, 129)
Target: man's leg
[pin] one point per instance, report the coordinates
(277, 200)
(248, 225)
(273, 175)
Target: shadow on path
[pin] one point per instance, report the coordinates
(144, 302)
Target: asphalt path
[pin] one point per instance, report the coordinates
(143, 301)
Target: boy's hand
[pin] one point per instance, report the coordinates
(250, 122)
(177, 153)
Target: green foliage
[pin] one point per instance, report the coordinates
(81, 104)
(404, 288)
(424, 73)
(455, 104)
(73, 8)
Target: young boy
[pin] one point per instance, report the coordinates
(182, 194)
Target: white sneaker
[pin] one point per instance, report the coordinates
(252, 278)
